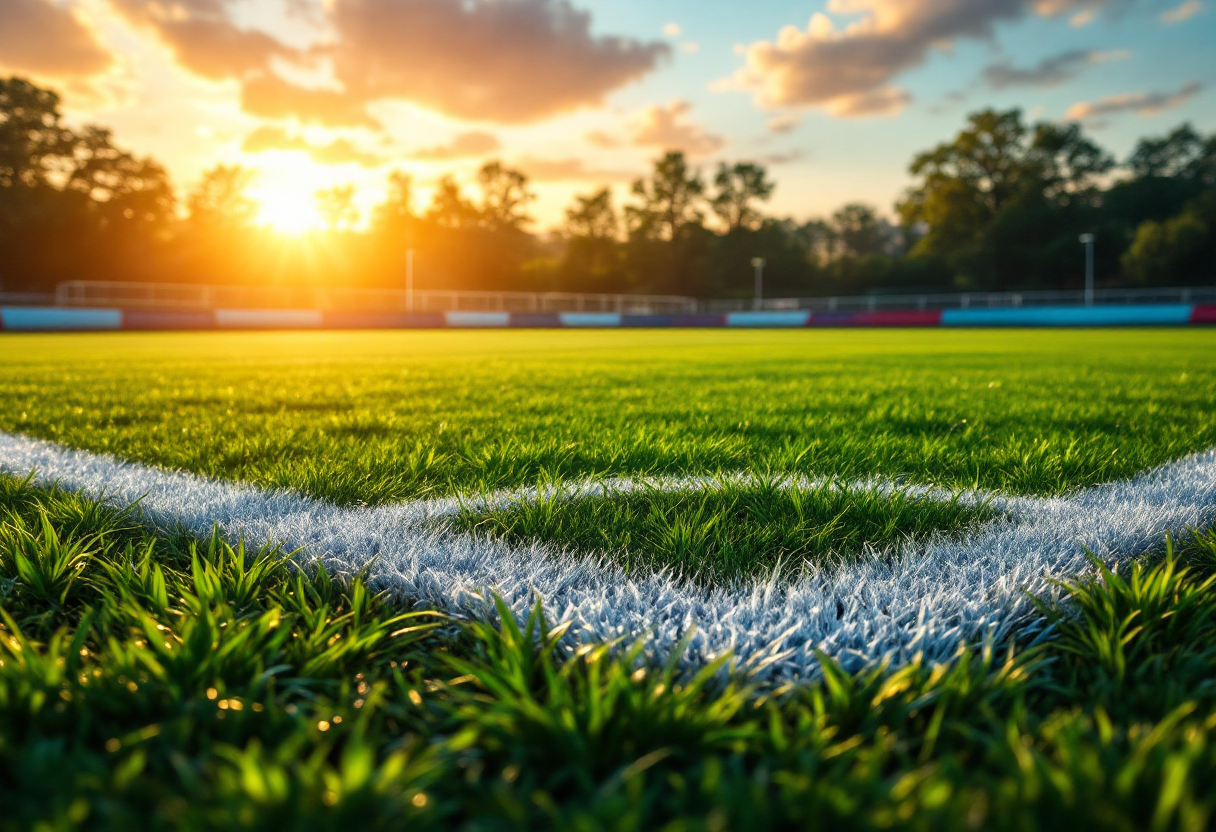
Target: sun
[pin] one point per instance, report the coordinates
(288, 213)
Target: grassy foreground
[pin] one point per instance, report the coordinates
(379, 417)
(165, 684)
(150, 682)
(729, 530)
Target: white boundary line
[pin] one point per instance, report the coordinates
(930, 599)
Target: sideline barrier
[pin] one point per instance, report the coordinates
(54, 318)
(65, 319)
(1162, 315)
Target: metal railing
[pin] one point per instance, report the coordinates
(971, 300)
(26, 298)
(91, 293)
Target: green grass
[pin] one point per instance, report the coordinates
(729, 531)
(379, 417)
(162, 683)
(159, 682)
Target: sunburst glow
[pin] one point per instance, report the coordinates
(289, 213)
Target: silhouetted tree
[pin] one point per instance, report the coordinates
(504, 197)
(1178, 250)
(396, 214)
(221, 201)
(592, 258)
(449, 208)
(668, 201)
(336, 207)
(1001, 200)
(857, 231)
(70, 201)
(31, 135)
(738, 186)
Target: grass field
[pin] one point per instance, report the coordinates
(150, 679)
(375, 418)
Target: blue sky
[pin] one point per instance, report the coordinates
(312, 94)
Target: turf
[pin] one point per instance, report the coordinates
(163, 683)
(379, 417)
(728, 530)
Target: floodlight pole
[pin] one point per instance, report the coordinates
(409, 280)
(758, 265)
(1087, 240)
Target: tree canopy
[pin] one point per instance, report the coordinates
(998, 206)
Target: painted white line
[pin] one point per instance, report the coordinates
(929, 600)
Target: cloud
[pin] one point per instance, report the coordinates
(885, 101)
(849, 69)
(783, 123)
(508, 61)
(601, 138)
(43, 39)
(1183, 11)
(672, 30)
(464, 146)
(1048, 72)
(664, 127)
(1141, 103)
(203, 38)
(667, 127)
(337, 152)
(569, 170)
(269, 96)
(783, 158)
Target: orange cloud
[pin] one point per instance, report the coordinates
(464, 146)
(569, 170)
(668, 128)
(337, 152)
(1141, 103)
(269, 96)
(786, 123)
(601, 138)
(508, 61)
(665, 127)
(849, 70)
(43, 39)
(203, 38)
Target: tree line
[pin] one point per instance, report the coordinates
(998, 207)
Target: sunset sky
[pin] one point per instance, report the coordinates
(835, 97)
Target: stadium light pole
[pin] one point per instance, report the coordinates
(1087, 240)
(758, 265)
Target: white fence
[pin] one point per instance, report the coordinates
(971, 300)
(90, 293)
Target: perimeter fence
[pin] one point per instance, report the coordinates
(182, 296)
(104, 294)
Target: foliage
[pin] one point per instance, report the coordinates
(1181, 245)
(1001, 186)
(337, 207)
(738, 186)
(58, 184)
(999, 206)
(198, 685)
